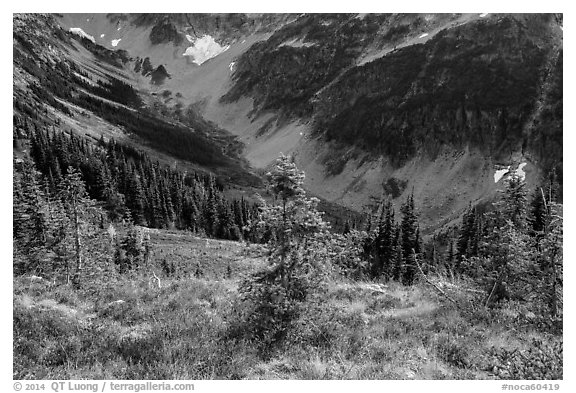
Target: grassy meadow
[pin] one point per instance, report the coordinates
(181, 323)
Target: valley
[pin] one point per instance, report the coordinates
(357, 178)
(288, 196)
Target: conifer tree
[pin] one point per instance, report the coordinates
(297, 255)
(135, 198)
(537, 211)
(383, 248)
(514, 202)
(398, 269)
(410, 240)
(30, 226)
(73, 194)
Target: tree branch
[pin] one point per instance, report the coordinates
(430, 282)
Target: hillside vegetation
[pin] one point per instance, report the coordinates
(47, 73)
(473, 85)
(119, 301)
(132, 329)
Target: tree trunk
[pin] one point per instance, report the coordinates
(77, 243)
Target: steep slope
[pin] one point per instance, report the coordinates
(65, 79)
(370, 105)
(438, 113)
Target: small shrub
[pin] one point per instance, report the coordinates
(452, 352)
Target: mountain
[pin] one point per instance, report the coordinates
(368, 104)
(159, 233)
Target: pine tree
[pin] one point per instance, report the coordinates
(514, 202)
(467, 244)
(30, 226)
(135, 200)
(410, 240)
(298, 256)
(133, 250)
(79, 207)
(552, 258)
(538, 211)
(509, 268)
(383, 248)
(398, 269)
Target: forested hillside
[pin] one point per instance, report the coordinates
(145, 246)
(59, 81)
(476, 84)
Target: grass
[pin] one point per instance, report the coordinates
(132, 329)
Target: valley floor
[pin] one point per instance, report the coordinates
(157, 325)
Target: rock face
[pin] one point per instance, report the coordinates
(165, 32)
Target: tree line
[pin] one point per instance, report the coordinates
(128, 184)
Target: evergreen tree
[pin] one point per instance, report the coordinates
(135, 198)
(467, 244)
(410, 241)
(30, 223)
(552, 259)
(383, 244)
(513, 202)
(538, 211)
(73, 194)
(398, 270)
(297, 256)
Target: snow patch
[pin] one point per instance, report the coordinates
(243, 41)
(102, 35)
(119, 27)
(81, 33)
(423, 35)
(190, 38)
(231, 66)
(115, 42)
(520, 171)
(500, 172)
(204, 49)
(483, 15)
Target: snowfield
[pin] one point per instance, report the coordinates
(500, 172)
(81, 33)
(204, 49)
(520, 171)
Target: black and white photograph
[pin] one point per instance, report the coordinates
(287, 196)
